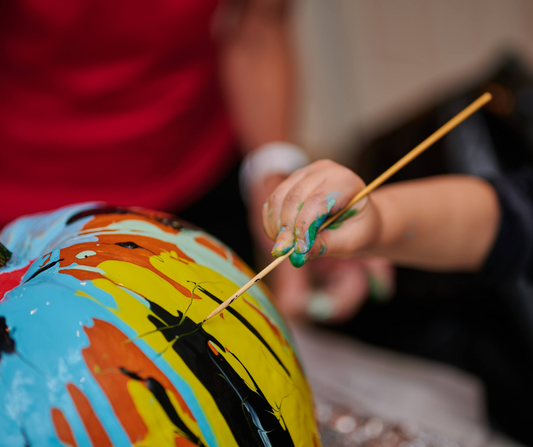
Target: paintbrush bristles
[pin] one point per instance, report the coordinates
(455, 121)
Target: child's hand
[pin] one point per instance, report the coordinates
(300, 204)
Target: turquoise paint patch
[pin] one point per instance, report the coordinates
(331, 199)
(298, 259)
(59, 350)
(311, 233)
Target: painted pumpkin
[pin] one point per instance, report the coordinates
(100, 341)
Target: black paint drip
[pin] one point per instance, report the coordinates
(246, 323)
(160, 394)
(98, 211)
(247, 412)
(130, 245)
(167, 220)
(5, 255)
(134, 246)
(7, 344)
(46, 267)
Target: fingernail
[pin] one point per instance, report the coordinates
(301, 246)
(281, 230)
(281, 247)
(320, 306)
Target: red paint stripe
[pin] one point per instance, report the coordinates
(10, 280)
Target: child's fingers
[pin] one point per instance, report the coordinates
(272, 208)
(361, 223)
(317, 250)
(342, 294)
(327, 198)
(290, 210)
(297, 208)
(274, 205)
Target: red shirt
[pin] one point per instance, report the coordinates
(114, 100)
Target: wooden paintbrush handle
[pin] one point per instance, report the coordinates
(455, 121)
(408, 158)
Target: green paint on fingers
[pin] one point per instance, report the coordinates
(300, 206)
(298, 259)
(339, 221)
(311, 233)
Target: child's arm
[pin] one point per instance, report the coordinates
(439, 223)
(443, 223)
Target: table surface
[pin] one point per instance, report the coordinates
(383, 391)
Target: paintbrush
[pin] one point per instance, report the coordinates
(455, 121)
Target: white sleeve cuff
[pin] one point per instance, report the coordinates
(269, 159)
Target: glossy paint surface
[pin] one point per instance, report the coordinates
(100, 341)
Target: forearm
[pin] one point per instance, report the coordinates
(439, 223)
(257, 72)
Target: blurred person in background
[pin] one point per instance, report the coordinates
(153, 104)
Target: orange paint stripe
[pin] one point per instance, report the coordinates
(182, 442)
(63, 430)
(104, 220)
(212, 348)
(139, 257)
(46, 259)
(212, 245)
(241, 265)
(108, 351)
(92, 424)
